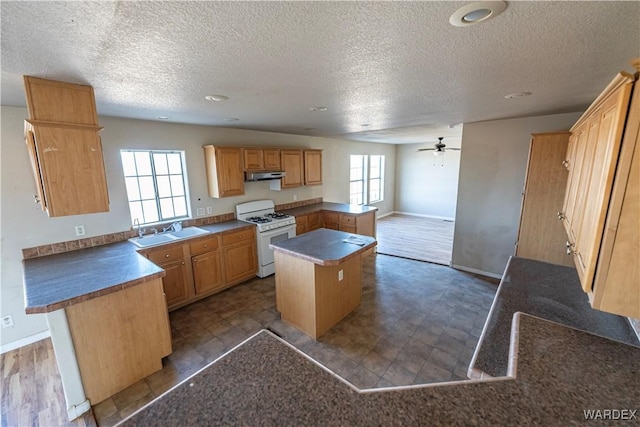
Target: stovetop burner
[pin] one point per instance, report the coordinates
(277, 215)
(259, 219)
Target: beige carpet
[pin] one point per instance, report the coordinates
(414, 237)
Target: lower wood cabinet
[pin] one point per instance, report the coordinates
(364, 224)
(203, 266)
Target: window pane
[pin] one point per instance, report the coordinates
(164, 187)
(150, 211)
(180, 206)
(133, 192)
(175, 163)
(177, 185)
(143, 162)
(128, 163)
(136, 212)
(160, 163)
(166, 207)
(147, 191)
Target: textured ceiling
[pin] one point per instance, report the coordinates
(399, 67)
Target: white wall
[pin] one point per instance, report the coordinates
(492, 170)
(426, 185)
(24, 225)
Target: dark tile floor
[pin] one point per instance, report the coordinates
(418, 323)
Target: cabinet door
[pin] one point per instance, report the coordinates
(225, 176)
(314, 221)
(240, 261)
(292, 164)
(302, 224)
(313, 167)
(175, 282)
(207, 272)
(272, 159)
(35, 168)
(540, 235)
(253, 159)
(72, 170)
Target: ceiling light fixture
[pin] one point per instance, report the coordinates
(231, 119)
(477, 12)
(318, 108)
(216, 98)
(517, 95)
(163, 117)
(365, 125)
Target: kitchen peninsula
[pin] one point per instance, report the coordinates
(318, 278)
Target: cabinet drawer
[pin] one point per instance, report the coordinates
(348, 228)
(165, 255)
(347, 220)
(238, 236)
(204, 245)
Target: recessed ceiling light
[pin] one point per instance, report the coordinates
(517, 95)
(231, 119)
(216, 98)
(318, 108)
(163, 117)
(365, 125)
(477, 12)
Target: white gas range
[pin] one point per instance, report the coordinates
(272, 227)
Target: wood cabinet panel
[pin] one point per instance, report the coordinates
(53, 101)
(204, 245)
(312, 167)
(207, 272)
(120, 338)
(314, 220)
(540, 235)
(239, 236)
(253, 159)
(224, 167)
(70, 174)
(240, 261)
(292, 164)
(302, 224)
(272, 159)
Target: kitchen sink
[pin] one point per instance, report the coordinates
(167, 237)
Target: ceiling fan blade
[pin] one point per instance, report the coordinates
(426, 149)
(457, 149)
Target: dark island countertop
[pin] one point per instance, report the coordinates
(324, 246)
(549, 291)
(331, 206)
(57, 281)
(557, 374)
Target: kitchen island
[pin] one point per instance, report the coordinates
(318, 278)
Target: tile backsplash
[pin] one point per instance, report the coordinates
(72, 245)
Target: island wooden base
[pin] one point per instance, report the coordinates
(120, 338)
(311, 297)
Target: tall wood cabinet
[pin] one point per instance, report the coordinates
(540, 235)
(64, 146)
(601, 211)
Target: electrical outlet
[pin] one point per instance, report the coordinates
(80, 230)
(340, 275)
(209, 210)
(295, 197)
(200, 212)
(7, 321)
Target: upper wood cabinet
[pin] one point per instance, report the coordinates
(225, 177)
(540, 234)
(602, 202)
(312, 167)
(65, 149)
(292, 164)
(261, 159)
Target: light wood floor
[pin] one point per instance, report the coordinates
(32, 390)
(414, 237)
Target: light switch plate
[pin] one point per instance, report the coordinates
(200, 212)
(80, 230)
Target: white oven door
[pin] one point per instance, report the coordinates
(266, 237)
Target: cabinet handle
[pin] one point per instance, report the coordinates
(182, 262)
(36, 199)
(571, 251)
(561, 216)
(206, 246)
(565, 163)
(167, 255)
(240, 236)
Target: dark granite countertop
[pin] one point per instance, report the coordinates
(549, 291)
(265, 381)
(331, 206)
(324, 246)
(57, 281)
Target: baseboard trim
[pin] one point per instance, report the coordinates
(444, 218)
(476, 271)
(24, 341)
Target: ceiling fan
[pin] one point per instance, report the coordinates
(439, 148)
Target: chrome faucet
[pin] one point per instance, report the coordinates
(176, 226)
(136, 223)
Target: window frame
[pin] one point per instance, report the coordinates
(366, 178)
(154, 174)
